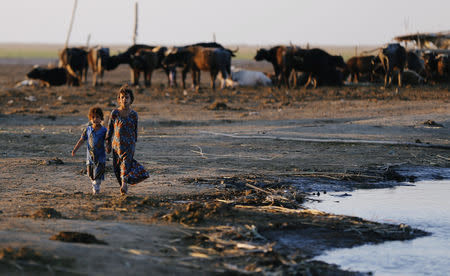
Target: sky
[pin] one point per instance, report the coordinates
(253, 22)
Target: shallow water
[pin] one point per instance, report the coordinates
(425, 206)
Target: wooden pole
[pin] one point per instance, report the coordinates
(71, 23)
(419, 42)
(135, 22)
(88, 41)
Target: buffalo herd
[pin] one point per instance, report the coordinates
(293, 66)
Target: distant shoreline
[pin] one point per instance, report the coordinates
(246, 51)
(27, 61)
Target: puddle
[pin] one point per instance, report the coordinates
(425, 206)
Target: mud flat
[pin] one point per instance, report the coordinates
(230, 173)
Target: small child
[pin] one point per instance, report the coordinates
(121, 139)
(96, 157)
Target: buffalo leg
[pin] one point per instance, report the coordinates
(94, 78)
(102, 72)
(84, 73)
(195, 79)
(148, 78)
(213, 79)
(286, 75)
(314, 80)
(225, 77)
(294, 78)
(183, 78)
(308, 81)
(172, 78)
(173, 73)
(387, 78)
(277, 78)
(135, 77)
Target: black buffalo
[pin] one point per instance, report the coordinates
(393, 58)
(173, 65)
(51, 76)
(198, 58)
(280, 62)
(144, 61)
(361, 65)
(75, 61)
(130, 57)
(320, 67)
(437, 67)
(415, 63)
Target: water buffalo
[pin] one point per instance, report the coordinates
(51, 76)
(393, 57)
(243, 77)
(360, 65)
(277, 57)
(320, 67)
(443, 67)
(430, 64)
(145, 61)
(414, 62)
(127, 56)
(202, 44)
(437, 67)
(75, 61)
(196, 59)
(98, 60)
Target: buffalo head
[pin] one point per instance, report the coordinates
(261, 54)
(36, 73)
(174, 56)
(338, 61)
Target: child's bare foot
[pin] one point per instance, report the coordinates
(96, 187)
(124, 188)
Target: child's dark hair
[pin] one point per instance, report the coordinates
(125, 89)
(95, 111)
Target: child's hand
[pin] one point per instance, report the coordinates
(108, 147)
(73, 153)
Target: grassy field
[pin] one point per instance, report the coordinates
(29, 51)
(245, 52)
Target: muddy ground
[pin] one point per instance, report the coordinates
(230, 173)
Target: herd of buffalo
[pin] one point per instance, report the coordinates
(292, 66)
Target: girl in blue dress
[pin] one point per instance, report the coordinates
(121, 139)
(95, 158)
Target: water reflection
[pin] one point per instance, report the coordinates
(425, 206)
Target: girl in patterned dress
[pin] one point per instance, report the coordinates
(121, 138)
(96, 158)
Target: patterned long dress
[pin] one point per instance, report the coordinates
(123, 133)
